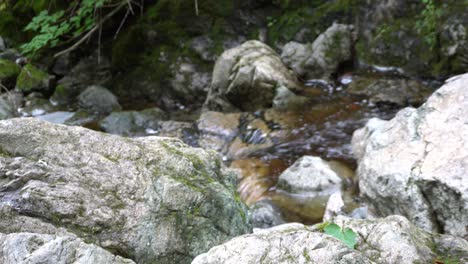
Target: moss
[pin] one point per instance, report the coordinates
(8, 71)
(31, 78)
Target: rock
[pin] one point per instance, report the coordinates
(334, 206)
(190, 82)
(265, 214)
(9, 103)
(98, 99)
(416, 164)
(310, 176)
(395, 91)
(217, 129)
(35, 106)
(320, 59)
(287, 100)
(204, 46)
(88, 71)
(33, 79)
(245, 78)
(395, 239)
(41, 248)
(8, 73)
(390, 240)
(2, 44)
(151, 199)
(288, 243)
(133, 123)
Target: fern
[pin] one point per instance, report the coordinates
(56, 28)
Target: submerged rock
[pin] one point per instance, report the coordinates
(32, 248)
(98, 99)
(385, 241)
(320, 59)
(416, 164)
(154, 200)
(245, 78)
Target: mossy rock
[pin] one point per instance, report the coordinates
(8, 72)
(32, 79)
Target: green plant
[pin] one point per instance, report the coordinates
(345, 235)
(426, 25)
(77, 23)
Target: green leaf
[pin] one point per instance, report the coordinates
(347, 236)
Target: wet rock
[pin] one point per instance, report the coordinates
(88, 71)
(389, 240)
(8, 73)
(150, 199)
(245, 78)
(265, 214)
(35, 105)
(98, 99)
(217, 129)
(190, 82)
(415, 164)
(395, 91)
(310, 176)
(320, 59)
(185, 131)
(33, 79)
(41, 248)
(133, 123)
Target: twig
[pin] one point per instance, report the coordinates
(90, 33)
(121, 24)
(196, 7)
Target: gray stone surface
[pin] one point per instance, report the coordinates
(318, 60)
(133, 123)
(416, 164)
(190, 82)
(30, 248)
(245, 78)
(152, 199)
(98, 99)
(310, 176)
(288, 243)
(385, 241)
(265, 214)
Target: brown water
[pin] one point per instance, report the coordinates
(322, 129)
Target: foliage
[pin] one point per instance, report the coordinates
(55, 28)
(345, 235)
(427, 22)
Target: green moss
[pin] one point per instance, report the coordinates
(8, 70)
(31, 78)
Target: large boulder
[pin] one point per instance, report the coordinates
(246, 78)
(390, 240)
(320, 59)
(33, 248)
(152, 199)
(416, 164)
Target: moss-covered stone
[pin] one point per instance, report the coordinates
(8, 72)
(32, 79)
